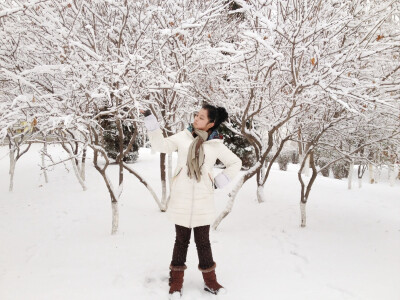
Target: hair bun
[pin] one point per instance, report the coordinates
(222, 114)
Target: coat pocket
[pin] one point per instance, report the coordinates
(212, 181)
(176, 174)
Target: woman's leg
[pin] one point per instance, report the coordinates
(182, 241)
(206, 263)
(202, 239)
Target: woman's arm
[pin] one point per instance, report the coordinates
(157, 140)
(232, 163)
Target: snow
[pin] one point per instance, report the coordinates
(45, 69)
(277, 55)
(10, 11)
(56, 241)
(86, 49)
(21, 98)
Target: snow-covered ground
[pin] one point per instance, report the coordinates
(55, 240)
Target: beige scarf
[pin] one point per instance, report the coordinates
(195, 158)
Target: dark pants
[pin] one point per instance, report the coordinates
(202, 240)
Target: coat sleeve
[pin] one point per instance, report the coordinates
(162, 144)
(232, 163)
(158, 142)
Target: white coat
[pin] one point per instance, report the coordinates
(192, 203)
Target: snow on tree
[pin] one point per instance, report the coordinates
(322, 74)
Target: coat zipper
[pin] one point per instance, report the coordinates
(191, 210)
(176, 175)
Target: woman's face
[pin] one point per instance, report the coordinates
(201, 120)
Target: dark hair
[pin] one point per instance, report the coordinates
(215, 114)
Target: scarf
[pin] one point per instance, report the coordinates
(195, 158)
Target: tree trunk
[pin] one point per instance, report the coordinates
(228, 208)
(300, 146)
(115, 217)
(392, 174)
(163, 181)
(350, 177)
(76, 170)
(260, 185)
(232, 195)
(83, 164)
(377, 174)
(44, 152)
(12, 169)
(306, 189)
(306, 169)
(113, 194)
(303, 214)
(360, 173)
(331, 175)
(152, 192)
(260, 194)
(15, 155)
(371, 173)
(301, 158)
(77, 174)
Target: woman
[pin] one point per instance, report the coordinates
(191, 203)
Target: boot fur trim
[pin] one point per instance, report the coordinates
(210, 269)
(177, 268)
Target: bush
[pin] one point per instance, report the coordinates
(283, 160)
(240, 146)
(341, 169)
(294, 157)
(111, 144)
(321, 162)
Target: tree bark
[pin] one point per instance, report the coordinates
(303, 214)
(371, 173)
(115, 217)
(228, 208)
(15, 155)
(360, 173)
(260, 184)
(83, 164)
(95, 137)
(392, 174)
(142, 180)
(77, 173)
(306, 189)
(350, 177)
(12, 170)
(44, 152)
(165, 202)
(163, 181)
(377, 174)
(260, 194)
(74, 166)
(331, 175)
(306, 170)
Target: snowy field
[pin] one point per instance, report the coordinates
(56, 242)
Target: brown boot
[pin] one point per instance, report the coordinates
(176, 278)
(210, 280)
